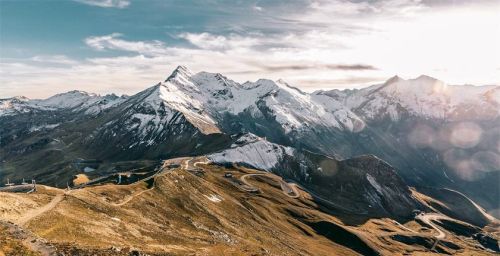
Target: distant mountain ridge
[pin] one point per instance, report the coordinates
(213, 94)
(75, 101)
(424, 96)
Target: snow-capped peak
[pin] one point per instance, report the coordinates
(283, 84)
(20, 98)
(180, 73)
(424, 96)
(393, 79)
(69, 99)
(76, 101)
(204, 97)
(426, 78)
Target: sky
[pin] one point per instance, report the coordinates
(125, 46)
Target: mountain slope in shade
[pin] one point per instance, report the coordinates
(363, 185)
(435, 134)
(154, 123)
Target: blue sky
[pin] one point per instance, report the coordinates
(124, 46)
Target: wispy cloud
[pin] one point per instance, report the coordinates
(320, 66)
(106, 3)
(114, 42)
(257, 8)
(55, 59)
(219, 42)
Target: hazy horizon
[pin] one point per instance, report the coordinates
(139, 89)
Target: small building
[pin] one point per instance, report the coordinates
(228, 175)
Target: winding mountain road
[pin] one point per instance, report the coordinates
(290, 191)
(124, 202)
(427, 218)
(188, 165)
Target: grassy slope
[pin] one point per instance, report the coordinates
(175, 215)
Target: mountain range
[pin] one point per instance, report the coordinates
(391, 150)
(434, 134)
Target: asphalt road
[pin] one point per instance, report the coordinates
(427, 218)
(289, 190)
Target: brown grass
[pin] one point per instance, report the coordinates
(176, 217)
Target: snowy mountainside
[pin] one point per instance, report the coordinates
(15, 105)
(424, 97)
(155, 123)
(267, 108)
(252, 150)
(89, 103)
(213, 95)
(75, 101)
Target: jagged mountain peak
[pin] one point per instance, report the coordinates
(426, 78)
(21, 98)
(421, 78)
(180, 73)
(68, 99)
(417, 86)
(75, 101)
(205, 97)
(283, 83)
(394, 79)
(424, 96)
(422, 84)
(18, 99)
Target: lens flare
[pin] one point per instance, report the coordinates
(422, 136)
(465, 135)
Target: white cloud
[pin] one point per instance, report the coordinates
(363, 9)
(258, 8)
(55, 59)
(106, 3)
(218, 42)
(113, 42)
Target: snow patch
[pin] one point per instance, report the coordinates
(214, 198)
(88, 169)
(258, 153)
(43, 127)
(374, 183)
